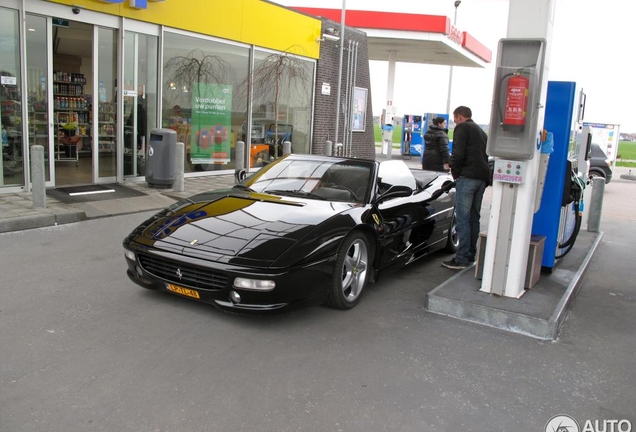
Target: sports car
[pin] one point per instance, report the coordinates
(303, 229)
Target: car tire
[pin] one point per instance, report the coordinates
(452, 241)
(351, 271)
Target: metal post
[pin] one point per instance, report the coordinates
(239, 162)
(450, 74)
(286, 147)
(596, 204)
(342, 40)
(345, 105)
(328, 148)
(38, 192)
(179, 167)
(353, 86)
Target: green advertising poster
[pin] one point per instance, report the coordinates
(211, 121)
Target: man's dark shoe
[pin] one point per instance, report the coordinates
(453, 264)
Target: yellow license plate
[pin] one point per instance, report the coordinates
(184, 291)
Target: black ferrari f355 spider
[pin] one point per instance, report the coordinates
(303, 229)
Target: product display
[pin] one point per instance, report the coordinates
(72, 115)
(11, 147)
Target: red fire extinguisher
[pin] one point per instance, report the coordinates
(514, 117)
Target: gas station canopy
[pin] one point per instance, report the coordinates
(412, 38)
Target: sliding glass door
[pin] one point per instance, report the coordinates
(140, 99)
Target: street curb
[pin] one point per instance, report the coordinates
(40, 220)
(628, 177)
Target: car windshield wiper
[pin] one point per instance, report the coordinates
(295, 193)
(242, 187)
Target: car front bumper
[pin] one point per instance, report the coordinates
(308, 284)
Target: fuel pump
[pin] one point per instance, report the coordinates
(559, 216)
(583, 153)
(572, 211)
(583, 150)
(387, 125)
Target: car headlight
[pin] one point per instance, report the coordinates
(254, 284)
(129, 254)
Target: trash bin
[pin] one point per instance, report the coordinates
(161, 156)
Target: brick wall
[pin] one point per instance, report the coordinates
(363, 145)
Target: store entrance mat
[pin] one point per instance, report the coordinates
(87, 193)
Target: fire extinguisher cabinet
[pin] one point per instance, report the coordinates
(514, 118)
(161, 157)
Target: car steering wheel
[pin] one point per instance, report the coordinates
(341, 187)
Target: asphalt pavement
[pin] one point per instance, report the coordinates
(83, 348)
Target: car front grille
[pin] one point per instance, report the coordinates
(182, 273)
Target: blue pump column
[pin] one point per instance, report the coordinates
(558, 120)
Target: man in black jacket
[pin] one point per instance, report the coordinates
(469, 167)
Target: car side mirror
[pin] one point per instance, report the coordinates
(395, 191)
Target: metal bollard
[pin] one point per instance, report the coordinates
(38, 191)
(286, 148)
(239, 162)
(596, 204)
(179, 167)
(328, 148)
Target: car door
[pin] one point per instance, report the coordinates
(406, 225)
(405, 221)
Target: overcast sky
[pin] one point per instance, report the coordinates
(591, 45)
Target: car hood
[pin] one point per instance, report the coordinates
(256, 228)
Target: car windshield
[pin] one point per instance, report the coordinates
(325, 179)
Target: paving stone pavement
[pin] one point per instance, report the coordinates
(18, 213)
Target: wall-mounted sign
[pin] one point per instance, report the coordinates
(456, 35)
(359, 118)
(508, 171)
(326, 89)
(59, 22)
(606, 136)
(8, 80)
(136, 4)
(211, 123)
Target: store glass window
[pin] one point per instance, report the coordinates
(204, 99)
(281, 108)
(37, 63)
(11, 156)
(107, 100)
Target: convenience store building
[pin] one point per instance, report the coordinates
(89, 79)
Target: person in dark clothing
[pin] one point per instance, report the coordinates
(436, 156)
(469, 167)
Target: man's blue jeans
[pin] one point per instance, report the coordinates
(468, 196)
